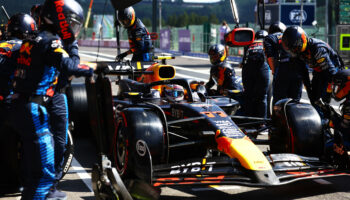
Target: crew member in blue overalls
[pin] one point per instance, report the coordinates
(287, 77)
(139, 38)
(38, 65)
(221, 72)
(255, 76)
(320, 57)
(58, 107)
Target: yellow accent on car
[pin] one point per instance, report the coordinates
(138, 65)
(248, 154)
(133, 93)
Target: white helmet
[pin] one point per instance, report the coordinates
(174, 92)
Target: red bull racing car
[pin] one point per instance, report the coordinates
(147, 142)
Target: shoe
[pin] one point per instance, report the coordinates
(56, 195)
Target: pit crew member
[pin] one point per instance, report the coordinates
(221, 72)
(287, 80)
(38, 64)
(255, 77)
(139, 38)
(20, 26)
(324, 61)
(339, 88)
(58, 108)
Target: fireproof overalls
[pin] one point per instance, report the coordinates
(38, 65)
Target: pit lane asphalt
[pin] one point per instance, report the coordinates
(77, 183)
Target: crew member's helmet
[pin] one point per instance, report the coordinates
(126, 17)
(21, 26)
(35, 12)
(63, 17)
(217, 54)
(261, 34)
(341, 85)
(174, 92)
(277, 27)
(294, 40)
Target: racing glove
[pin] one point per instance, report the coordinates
(121, 56)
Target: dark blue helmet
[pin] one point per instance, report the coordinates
(217, 54)
(65, 17)
(126, 17)
(21, 26)
(294, 40)
(261, 34)
(277, 27)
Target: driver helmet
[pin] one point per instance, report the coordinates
(63, 17)
(294, 40)
(277, 27)
(174, 92)
(217, 54)
(126, 17)
(341, 85)
(21, 26)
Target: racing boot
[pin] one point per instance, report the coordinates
(55, 194)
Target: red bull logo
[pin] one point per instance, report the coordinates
(62, 20)
(26, 47)
(24, 61)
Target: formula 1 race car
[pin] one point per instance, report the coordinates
(146, 142)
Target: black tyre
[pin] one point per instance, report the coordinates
(297, 129)
(78, 108)
(135, 125)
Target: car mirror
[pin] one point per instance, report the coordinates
(239, 37)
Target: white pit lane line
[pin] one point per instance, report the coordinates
(205, 72)
(80, 171)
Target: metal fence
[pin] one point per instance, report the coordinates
(200, 39)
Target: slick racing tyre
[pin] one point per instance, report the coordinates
(78, 108)
(68, 155)
(297, 129)
(137, 126)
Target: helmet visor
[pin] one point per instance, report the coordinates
(75, 25)
(174, 94)
(289, 50)
(215, 58)
(125, 22)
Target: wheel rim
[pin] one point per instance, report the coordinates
(120, 148)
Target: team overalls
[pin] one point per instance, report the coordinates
(58, 110)
(325, 62)
(140, 42)
(287, 79)
(38, 65)
(224, 76)
(7, 68)
(9, 140)
(255, 76)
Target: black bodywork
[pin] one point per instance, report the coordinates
(149, 142)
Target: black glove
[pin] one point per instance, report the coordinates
(121, 56)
